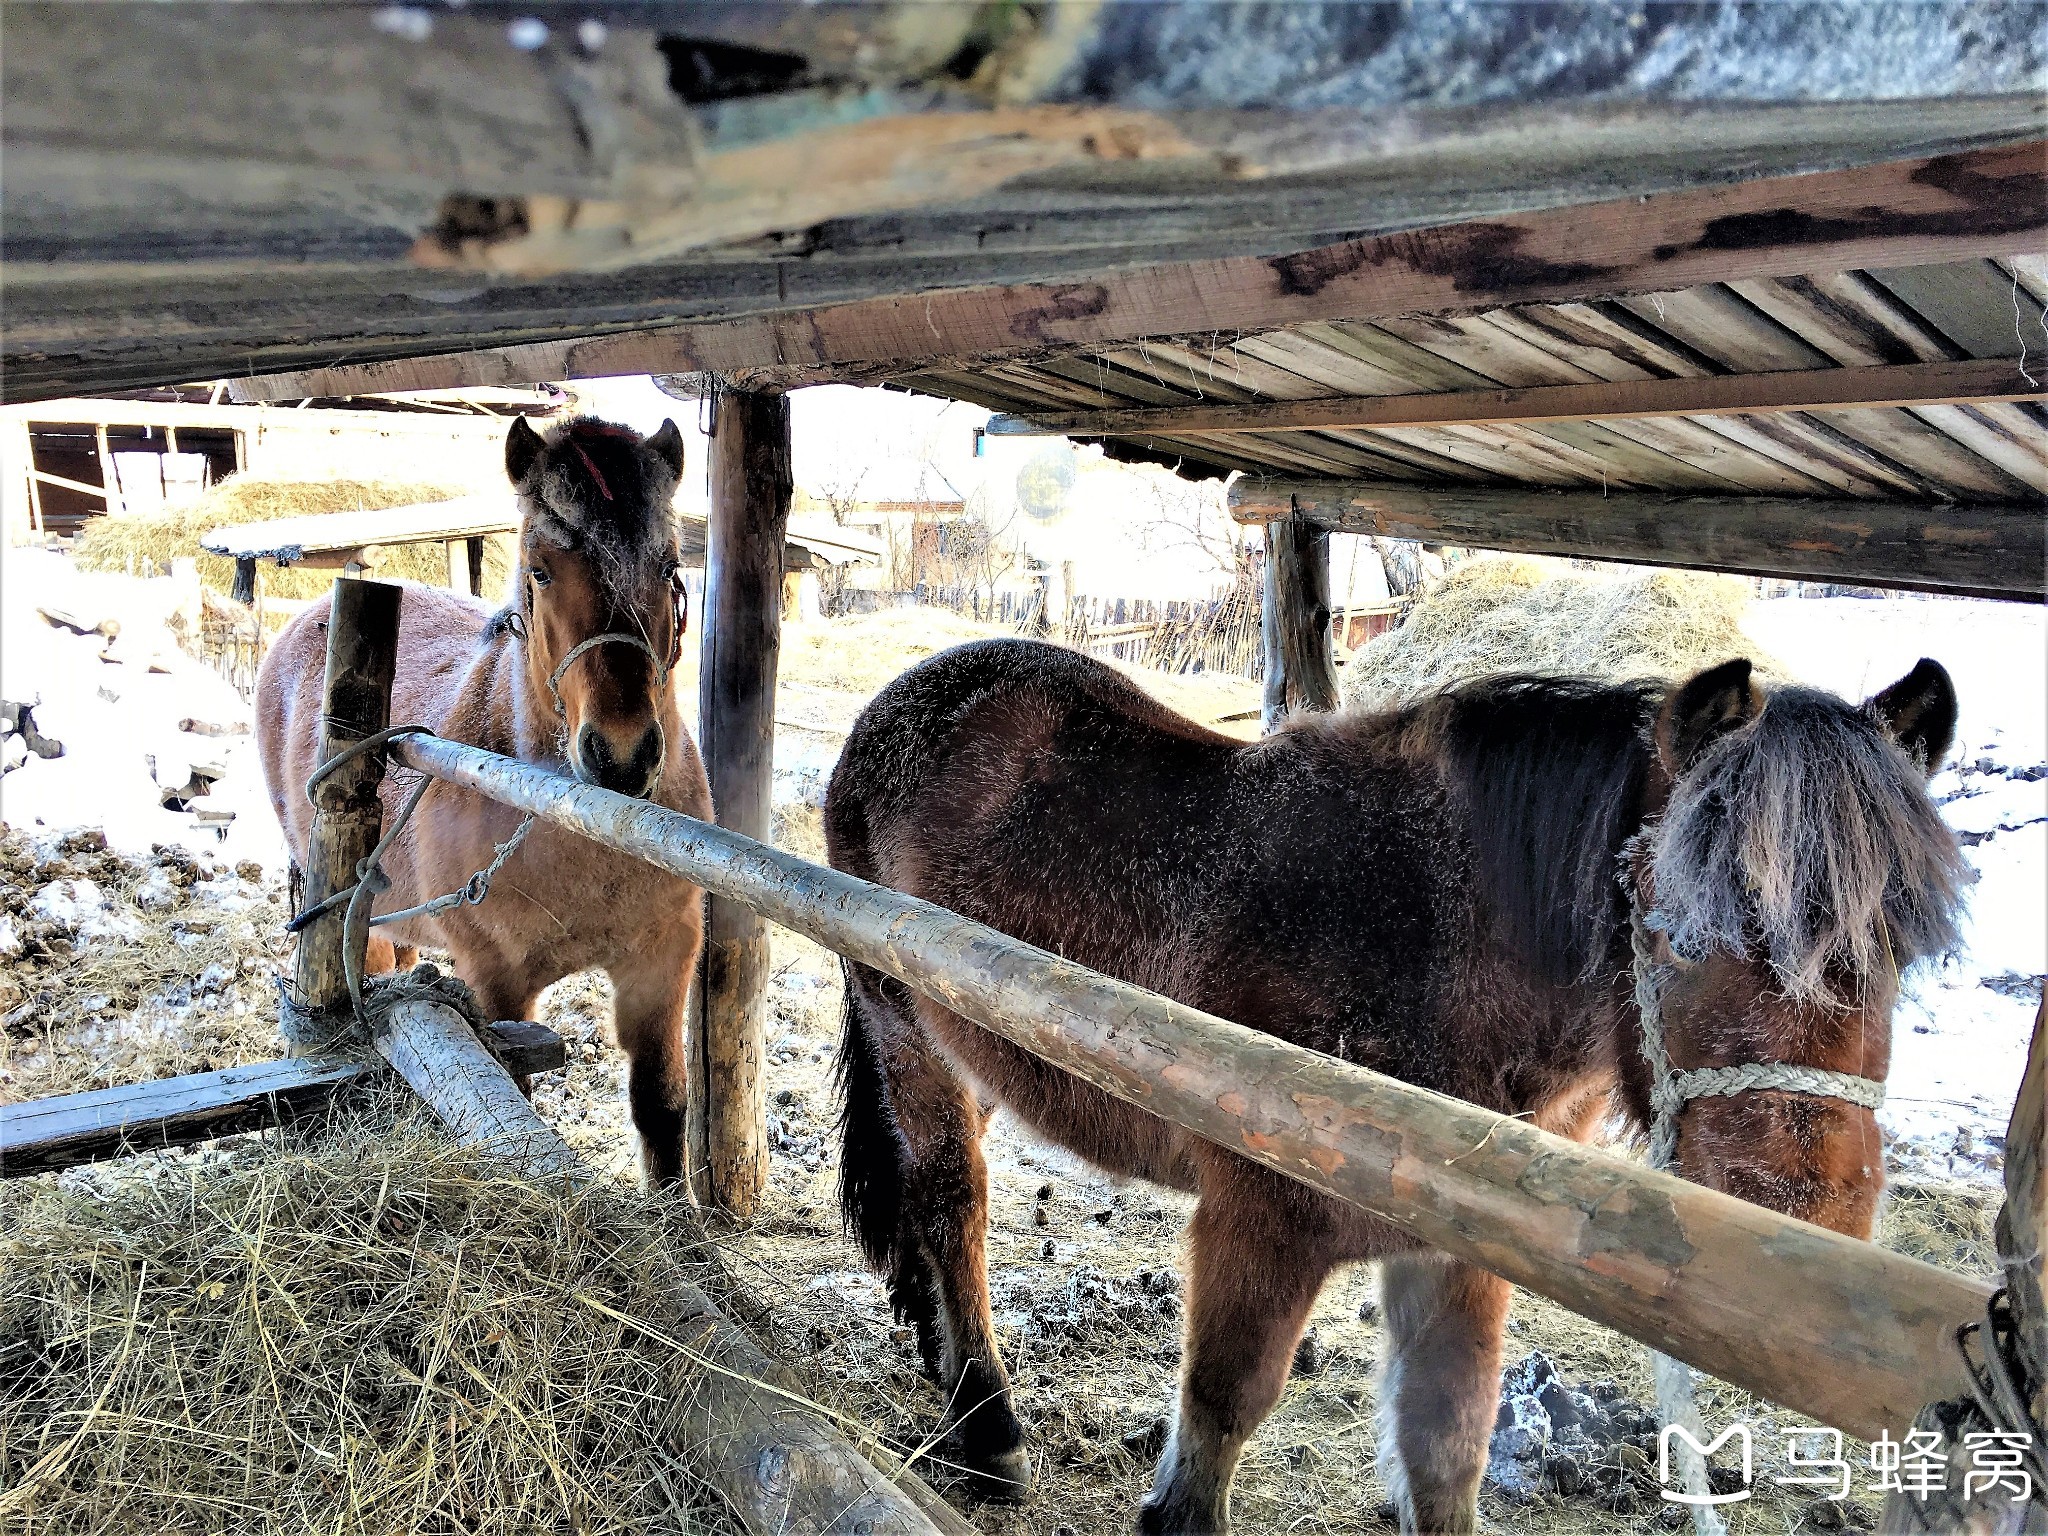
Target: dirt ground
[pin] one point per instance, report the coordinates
(116, 969)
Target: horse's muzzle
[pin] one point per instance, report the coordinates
(635, 773)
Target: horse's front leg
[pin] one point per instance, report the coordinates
(1441, 1388)
(1258, 1253)
(650, 997)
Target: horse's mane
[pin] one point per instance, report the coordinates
(1551, 773)
(1807, 837)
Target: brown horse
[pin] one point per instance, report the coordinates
(1444, 893)
(576, 673)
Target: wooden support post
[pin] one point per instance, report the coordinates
(362, 658)
(466, 565)
(1989, 1509)
(780, 1465)
(750, 490)
(1301, 672)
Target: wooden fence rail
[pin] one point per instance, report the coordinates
(1855, 1336)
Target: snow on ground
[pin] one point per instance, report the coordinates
(1959, 1038)
(115, 715)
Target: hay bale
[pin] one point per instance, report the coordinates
(1513, 614)
(157, 538)
(360, 1327)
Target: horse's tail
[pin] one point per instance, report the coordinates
(872, 1159)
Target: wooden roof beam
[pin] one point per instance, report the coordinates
(1900, 213)
(1993, 549)
(1971, 382)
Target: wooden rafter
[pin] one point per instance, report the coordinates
(1950, 207)
(1974, 381)
(1983, 550)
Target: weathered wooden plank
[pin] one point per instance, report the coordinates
(780, 1465)
(48, 1134)
(751, 485)
(1852, 1334)
(1986, 550)
(362, 660)
(1294, 622)
(1988, 203)
(1821, 389)
(295, 540)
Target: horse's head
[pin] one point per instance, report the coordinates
(600, 590)
(1797, 868)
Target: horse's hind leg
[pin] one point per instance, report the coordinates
(915, 1190)
(1441, 1388)
(1258, 1253)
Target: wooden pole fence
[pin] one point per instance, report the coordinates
(1856, 1336)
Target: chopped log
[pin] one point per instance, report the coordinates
(1854, 1335)
(362, 659)
(776, 1461)
(751, 487)
(1294, 622)
(47, 1134)
(1989, 549)
(1973, 381)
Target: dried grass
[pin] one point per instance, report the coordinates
(356, 1328)
(864, 652)
(120, 543)
(1514, 614)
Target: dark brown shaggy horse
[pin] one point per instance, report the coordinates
(1441, 892)
(576, 674)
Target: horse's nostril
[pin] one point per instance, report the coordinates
(635, 773)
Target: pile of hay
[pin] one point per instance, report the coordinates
(1519, 615)
(360, 1328)
(153, 539)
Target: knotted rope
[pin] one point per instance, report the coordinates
(1670, 1091)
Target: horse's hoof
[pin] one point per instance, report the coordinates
(1004, 1478)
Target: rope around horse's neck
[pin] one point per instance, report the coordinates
(1670, 1091)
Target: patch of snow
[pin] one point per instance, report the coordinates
(81, 909)
(103, 779)
(157, 891)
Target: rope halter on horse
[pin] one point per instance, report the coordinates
(609, 637)
(1671, 1090)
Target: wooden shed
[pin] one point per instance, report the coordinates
(1749, 286)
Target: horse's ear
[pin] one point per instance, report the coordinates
(1919, 713)
(522, 452)
(1703, 709)
(667, 445)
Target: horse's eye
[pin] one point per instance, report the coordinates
(540, 577)
(673, 573)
